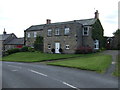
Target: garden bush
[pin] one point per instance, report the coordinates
(53, 50)
(83, 50)
(61, 50)
(11, 51)
(30, 49)
(24, 49)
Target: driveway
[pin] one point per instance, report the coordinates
(114, 54)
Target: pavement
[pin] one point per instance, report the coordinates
(31, 75)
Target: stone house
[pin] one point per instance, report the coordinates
(10, 41)
(65, 35)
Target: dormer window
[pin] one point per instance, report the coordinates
(85, 31)
(67, 31)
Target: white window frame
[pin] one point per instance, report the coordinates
(49, 46)
(96, 44)
(28, 35)
(85, 30)
(57, 31)
(35, 34)
(49, 33)
(67, 31)
(67, 46)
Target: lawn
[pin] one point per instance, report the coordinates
(36, 56)
(95, 62)
(117, 71)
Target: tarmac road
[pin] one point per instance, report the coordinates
(32, 75)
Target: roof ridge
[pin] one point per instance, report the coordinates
(85, 19)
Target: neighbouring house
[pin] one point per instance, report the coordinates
(67, 36)
(112, 43)
(108, 42)
(10, 41)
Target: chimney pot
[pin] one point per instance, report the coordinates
(96, 15)
(48, 21)
(4, 32)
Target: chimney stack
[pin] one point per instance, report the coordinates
(48, 21)
(96, 15)
(4, 32)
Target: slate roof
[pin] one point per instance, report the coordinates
(4, 37)
(16, 41)
(36, 27)
(83, 22)
(87, 21)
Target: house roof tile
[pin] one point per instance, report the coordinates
(16, 41)
(83, 22)
(4, 37)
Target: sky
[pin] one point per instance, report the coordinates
(18, 15)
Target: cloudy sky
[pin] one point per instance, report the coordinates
(18, 15)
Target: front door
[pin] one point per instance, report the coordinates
(57, 47)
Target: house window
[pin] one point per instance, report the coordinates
(96, 44)
(35, 34)
(67, 47)
(57, 31)
(67, 31)
(28, 35)
(86, 31)
(49, 32)
(49, 46)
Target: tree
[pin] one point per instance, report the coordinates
(38, 44)
(117, 33)
(97, 33)
(116, 41)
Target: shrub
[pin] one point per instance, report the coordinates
(38, 44)
(83, 50)
(102, 49)
(53, 50)
(11, 51)
(60, 50)
(24, 49)
(30, 49)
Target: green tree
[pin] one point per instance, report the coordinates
(38, 44)
(97, 33)
(116, 44)
(117, 33)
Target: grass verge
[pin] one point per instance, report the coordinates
(117, 70)
(36, 57)
(94, 62)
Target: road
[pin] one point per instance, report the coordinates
(36, 75)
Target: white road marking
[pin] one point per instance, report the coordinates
(38, 73)
(70, 85)
(14, 70)
(15, 66)
(113, 62)
(54, 79)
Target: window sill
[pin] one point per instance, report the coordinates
(49, 36)
(86, 35)
(57, 35)
(66, 34)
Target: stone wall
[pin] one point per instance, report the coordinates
(29, 41)
(63, 39)
(87, 40)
